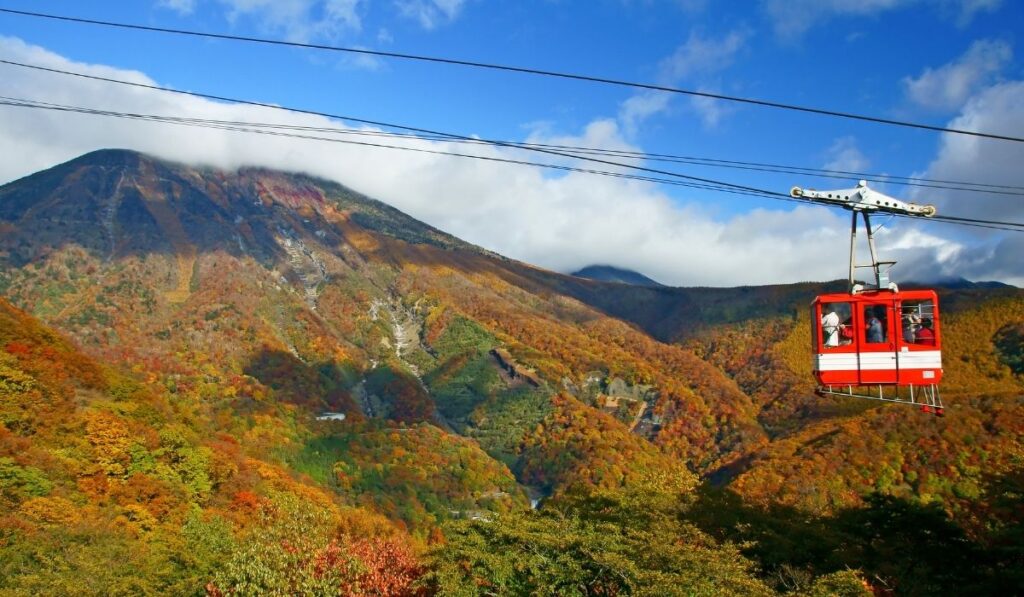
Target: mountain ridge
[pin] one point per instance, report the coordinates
(293, 232)
(609, 273)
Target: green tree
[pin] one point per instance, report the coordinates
(21, 482)
(278, 557)
(604, 542)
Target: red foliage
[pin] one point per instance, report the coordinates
(389, 568)
(411, 404)
(18, 348)
(246, 502)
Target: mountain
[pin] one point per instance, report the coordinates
(607, 273)
(277, 338)
(219, 276)
(957, 282)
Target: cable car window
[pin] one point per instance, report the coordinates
(876, 328)
(836, 325)
(918, 322)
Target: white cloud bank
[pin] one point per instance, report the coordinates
(998, 109)
(558, 221)
(968, 84)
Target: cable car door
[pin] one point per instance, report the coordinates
(877, 354)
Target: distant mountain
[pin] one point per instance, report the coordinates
(608, 273)
(959, 283)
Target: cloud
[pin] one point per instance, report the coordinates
(711, 111)
(914, 238)
(966, 10)
(948, 87)
(430, 13)
(296, 20)
(692, 6)
(603, 133)
(368, 62)
(309, 20)
(599, 134)
(642, 106)
(793, 18)
(843, 155)
(555, 220)
(699, 56)
(184, 7)
(343, 12)
(996, 258)
(997, 109)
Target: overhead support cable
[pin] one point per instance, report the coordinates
(711, 184)
(387, 125)
(518, 69)
(237, 126)
(560, 150)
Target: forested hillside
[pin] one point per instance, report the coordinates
(262, 380)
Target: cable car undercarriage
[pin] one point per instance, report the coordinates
(926, 396)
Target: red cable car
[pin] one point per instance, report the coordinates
(875, 341)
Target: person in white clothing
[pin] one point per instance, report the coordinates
(830, 328)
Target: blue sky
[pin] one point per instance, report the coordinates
(934, 62)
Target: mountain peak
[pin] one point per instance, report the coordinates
(114, 202)
(608, 273)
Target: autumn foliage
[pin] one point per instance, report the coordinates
(254, 382)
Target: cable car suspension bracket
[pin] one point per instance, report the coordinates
(864, 201)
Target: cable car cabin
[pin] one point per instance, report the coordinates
(879, 344)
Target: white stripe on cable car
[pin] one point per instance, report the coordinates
(845, 361)
(878, 361)
(924, 359)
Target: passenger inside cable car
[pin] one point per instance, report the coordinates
(925, 335)
(911, 324)
(835, 324)
(877, 329)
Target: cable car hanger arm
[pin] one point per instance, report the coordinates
(864, 199)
